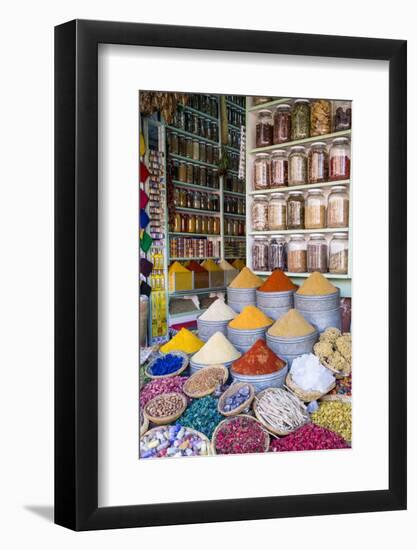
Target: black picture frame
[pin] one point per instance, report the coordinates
(76, 271)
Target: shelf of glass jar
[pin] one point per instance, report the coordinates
(198, 211)
(192, 161)
(196, 291)
(304, 231)
(304, 187)
(191, 135)
(197, 187)
(289, 144)
(307, 274)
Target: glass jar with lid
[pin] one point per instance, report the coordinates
(297, 166)
(203, 176)
(176, 196)
(297, 254)
(277, 211)
(279, 168)
(259, 213)
(262, 171)
(182, 197)
(182, 146)
(320, 117)
(204, 201)
(339, 159)
(277, 256)
(190, 198)
(216, 181)
(191, 223)
(264, 128)
(184, 223)
(195, 149)
(338, 207)
(282, 124)
(173, 143)
(189, 148)
(235, 227)
(318, 163)
(342, 115)
(182, 172)
(339, 253)
(197, 200)
(295, 210)
(317, 253)
(300, 119)
(190, 172)
(198, 224)
(204, 224)
(260, 250)
(315, 210)
(209, 154)
(216, 225)
(202, 151)
(177, 223)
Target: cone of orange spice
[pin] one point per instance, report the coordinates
(259, 359)
(277, 282)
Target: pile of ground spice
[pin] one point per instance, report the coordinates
(277, 282)
(210, 265)
(316, 285)
(250, 318)
(196, 267)
(240, 435)
(216, 350)
(176, 267)
(238, 264)
(259, 359)
(184, 341)
(246, 279)
(218, 311)
(224, 264)
(291, 325)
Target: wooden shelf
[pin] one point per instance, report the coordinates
(305, 187)
(300, 231)
(289, 144)
(269, 104)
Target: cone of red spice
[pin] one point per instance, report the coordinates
(277, 282)
(196, 267)
(259, 359)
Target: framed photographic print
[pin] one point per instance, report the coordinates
(230, 275)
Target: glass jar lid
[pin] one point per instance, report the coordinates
(279, 152)
(296, 236)
(340, 235)
(295, 193)
(277, 196)
(261, 197)
(264, 112)
(341, 140)
(339, 188)
(315, 191)
(301, 101)
(283, 106)
(260, 238)
(298, 148)
(318, 144)
(317, 236)
(277, 238)
(262, 155)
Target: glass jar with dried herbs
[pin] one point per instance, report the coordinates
(300, 119)
(297, 166)
(282, 124)
(317, 253)
(259, 213)
(277, 212)
(277, 255)
(339, 253)
(320, 117)
(339, 159)
(279, 168)
(262, 171)
(318, 163)
(338, 207)
(315, 210)
(342, 115)
(264, 128)
(295, 210)
(297, 254)
(260, 254)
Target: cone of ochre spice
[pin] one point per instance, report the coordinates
(246, 279)
(277, 282)
(259, 359)
(250, 318)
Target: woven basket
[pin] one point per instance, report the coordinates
(161, 420)
(223, 422)
(265, 424)
(195, 395)
(184, 365)
(338, 374)
(335, 397)
(195, 432)
(306, 396)
(144, 426)
(232, 390)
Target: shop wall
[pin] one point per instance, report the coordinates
(26, 218)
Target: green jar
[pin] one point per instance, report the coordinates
(300, 119)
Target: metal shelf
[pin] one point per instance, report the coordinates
(237, 216)
(198, 211)
(304, 275)
(192, 161)
(177, 234)
(233, 105)
(196, 186)
(192, 135)
(305, 187)
(303, 231)
(232, 149)
(269, 104)
(180, 293)
(200, 113)
(234, 193)
(234, 127)
(235, 237)
(300, 142)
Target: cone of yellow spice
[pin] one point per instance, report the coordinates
(291, 325)
(316, 285)
(184, 341)
(246, 279)
(250, 318)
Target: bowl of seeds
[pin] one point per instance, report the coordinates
(165, 408)
(205, 381)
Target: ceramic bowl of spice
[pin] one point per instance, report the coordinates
(236, 399)
(173, 441)
(205, 381)
(167, 365)
(165, 408)
(239, 435)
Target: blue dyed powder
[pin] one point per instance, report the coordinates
(166, 365)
